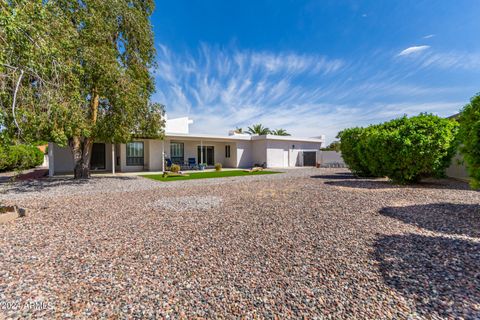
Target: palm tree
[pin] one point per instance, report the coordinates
(280, 132)
(258, 129)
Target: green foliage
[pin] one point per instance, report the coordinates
(353, 151)
(334, 146)
(404, 149)
(20, 157)
(258, 129)
(77, 71)
(218, 167)
(280, 132)
(175, 168)
(469, 138)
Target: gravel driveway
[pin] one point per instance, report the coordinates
(310, 242)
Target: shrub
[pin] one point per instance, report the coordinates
(404, 149)
(469, 138)
(20, 157)
(218, 166)
(175, 168)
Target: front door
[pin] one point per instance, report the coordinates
(97, 162)
(208, 152)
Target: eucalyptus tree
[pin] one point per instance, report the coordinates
(78, 71)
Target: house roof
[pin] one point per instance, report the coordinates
(240, 137)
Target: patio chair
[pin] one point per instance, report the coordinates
(192, 163)
(168, 162)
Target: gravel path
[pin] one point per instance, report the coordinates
(306, 243)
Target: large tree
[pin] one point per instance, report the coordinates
(78, 71)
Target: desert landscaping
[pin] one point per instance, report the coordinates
(303, 243)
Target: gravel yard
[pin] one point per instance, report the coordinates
(309, 242)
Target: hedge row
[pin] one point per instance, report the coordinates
(19, 157)
(469, 138)
(404, 150)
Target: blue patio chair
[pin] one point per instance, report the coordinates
(192, 163)
(169, 163)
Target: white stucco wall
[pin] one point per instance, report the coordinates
(243, 152)
(259, 152)
(457, 169)
(178, 125)
(326, 157)
(61, 159)
(277, 154)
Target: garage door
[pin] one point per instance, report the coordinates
(309, 158)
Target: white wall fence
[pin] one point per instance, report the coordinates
(333, 159)
(330, 159)
(457, 169)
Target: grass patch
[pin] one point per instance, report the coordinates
(207, 175)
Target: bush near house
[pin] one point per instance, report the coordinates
(353, 151)
(20, 157)
(404, 149)
(469, 138)
(218, 167)
(175, 168)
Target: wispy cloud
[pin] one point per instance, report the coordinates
(453, 60)
(412, 50)
(309, 95)
(428, 36)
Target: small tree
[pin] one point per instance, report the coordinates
(280, 132)
(258, 129)
(469, 138)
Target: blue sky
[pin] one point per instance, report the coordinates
(314, 67)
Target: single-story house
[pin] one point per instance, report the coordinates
(179, 146)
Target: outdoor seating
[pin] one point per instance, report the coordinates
(192, 164)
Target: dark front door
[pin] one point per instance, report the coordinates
(98, 157)
(208, 158)
(309, 158)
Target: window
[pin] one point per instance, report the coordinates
(135, 154)
(227, 151)
(176, 152)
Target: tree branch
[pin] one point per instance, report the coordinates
(15, 101)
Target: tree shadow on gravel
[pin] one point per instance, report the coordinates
(361, 183)
(49, 183)
(439, 275)
(451, 218)
(336, 176)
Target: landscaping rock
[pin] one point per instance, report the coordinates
(308, 243)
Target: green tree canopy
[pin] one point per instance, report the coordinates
(280, 132)
(78, 71)
(258, 129)
(469, 138)
(403, 149)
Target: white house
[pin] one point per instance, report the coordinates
(179, 146)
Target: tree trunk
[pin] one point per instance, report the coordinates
(82, 147)
(82, 152)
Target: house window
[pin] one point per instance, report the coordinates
(227, 151)
(176, 152)
(135, 153)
